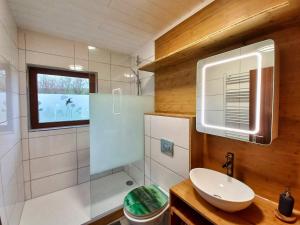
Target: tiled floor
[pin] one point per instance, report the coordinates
(71, 206)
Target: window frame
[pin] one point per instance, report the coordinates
(33, 95)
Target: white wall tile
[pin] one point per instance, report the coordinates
(22, 63)
(27, 190)
(104, 86)
(43, 59)
(9, 164)
(24, 127)
(55, 52)
(23, 105)
(102, 69)
(11, 179)
(147, 86)
(49, 44)
(14, 112)
(171, 128)
(51, 165)
(179, 163)
(21, 39)
(23, 83)
(83, 158)
(147, 166)
(164, 177)
(147, 124)
(83, 63)
(51, 132)
(147, 146)
(118, 73)
(145, 74)
(99, 55)
(81, 51)
(146, 52)
(9, 139)
(26, 170)
(25, 149)
(83, 129)
(83, 140)
(125, 87)
(53, 183)
(14, 79)
(83, 175)
(51, 145)
(120, 59)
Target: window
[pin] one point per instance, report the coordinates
(59, 98)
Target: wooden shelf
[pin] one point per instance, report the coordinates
(262, 21)
(185, 201)
(186, 216)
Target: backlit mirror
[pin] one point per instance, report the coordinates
(236, 94)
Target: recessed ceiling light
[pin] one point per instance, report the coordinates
(128, 75)
(91, 47)
(76, 67)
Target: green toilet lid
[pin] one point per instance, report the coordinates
(145, 201)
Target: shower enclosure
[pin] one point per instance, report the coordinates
(116, 148)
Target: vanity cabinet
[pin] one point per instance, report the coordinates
(187, 207)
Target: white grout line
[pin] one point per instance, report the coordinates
(52, 175)
(52, 155)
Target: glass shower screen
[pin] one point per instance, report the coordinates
(117, 130)
(116, 147)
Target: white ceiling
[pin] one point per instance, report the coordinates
(121, 25)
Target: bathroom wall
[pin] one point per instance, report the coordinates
(145, 55)
(11, 169)
(267, 169)
(162, 169)
(55, 159)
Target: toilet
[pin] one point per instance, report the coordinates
(146, 205)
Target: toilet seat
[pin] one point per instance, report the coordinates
(145, 203)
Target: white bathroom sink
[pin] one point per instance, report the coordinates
(220, 190)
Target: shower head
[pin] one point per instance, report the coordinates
(138, 81)
(135, 73)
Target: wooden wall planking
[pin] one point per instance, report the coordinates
(267, 169)
(226, 15)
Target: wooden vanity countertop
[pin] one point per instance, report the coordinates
(260, 212)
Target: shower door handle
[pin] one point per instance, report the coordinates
(116, 93)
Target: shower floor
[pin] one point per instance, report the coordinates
(72, 206)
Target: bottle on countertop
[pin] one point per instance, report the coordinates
(286, 203)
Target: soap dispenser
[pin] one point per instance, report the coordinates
(286, 203)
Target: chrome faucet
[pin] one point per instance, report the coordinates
(229, 163)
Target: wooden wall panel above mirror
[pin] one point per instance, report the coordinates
(226, 15)
(219, 25)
